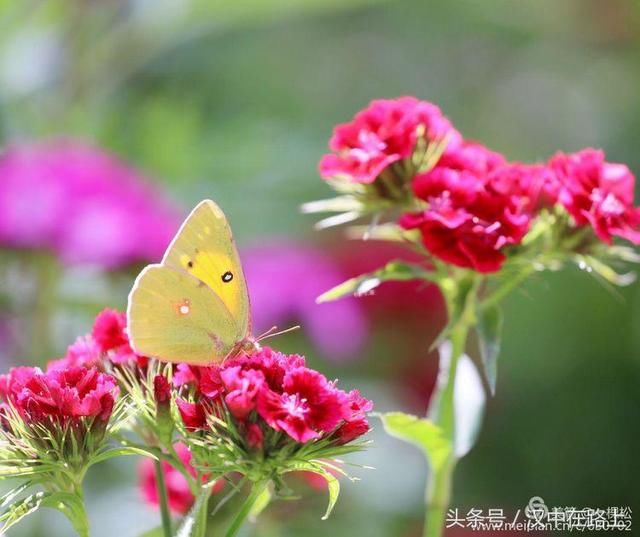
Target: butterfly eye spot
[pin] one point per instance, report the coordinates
(227, 276)
(190, 264)
(184, 307)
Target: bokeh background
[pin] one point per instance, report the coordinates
(235, 101)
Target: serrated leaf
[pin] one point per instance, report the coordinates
(420, 432)
(489, 329)
(393, 271)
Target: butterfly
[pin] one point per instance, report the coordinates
(193, 307)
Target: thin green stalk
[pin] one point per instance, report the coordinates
(438, 493)
(165, 515)
(245, 508)
(507, 286)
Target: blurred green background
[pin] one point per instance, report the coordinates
(236, 101)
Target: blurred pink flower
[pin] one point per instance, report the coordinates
(284, 280)
(179, 493)
(81, 203)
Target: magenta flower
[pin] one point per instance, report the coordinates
(467, 221)
(307, 406)
(108, 343)
(284, 280)
(270, 390)
(82, 204)
(382, 134)
(242, 386)
(598, 193)
(60, 397)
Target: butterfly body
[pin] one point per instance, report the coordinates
(193, 306)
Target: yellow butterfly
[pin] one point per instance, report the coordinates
(194, 306)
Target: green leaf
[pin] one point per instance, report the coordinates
(21, 509)
(8, 497)
(262, 501)
(120, 452)
(489, 329)
(333, 485)
(420, 432)
(393, 271)
(68, 504)
(597, 267)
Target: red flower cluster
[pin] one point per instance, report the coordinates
(179, 493)
(467, 221)
(59, 397)
(268, 389)
(598, 193)
(382, 134)
(476, 204)
(108, 341)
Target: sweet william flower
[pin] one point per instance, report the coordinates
(73, 398)
(242, 388)
(112, 215)
(467, 221)
(269, 415)
(109, 330)
(598, 193)
(382, 134)
(105, 347)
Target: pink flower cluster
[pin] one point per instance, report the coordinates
(268, 389)
(107, 343)
(476, 203)
(381, 135)
(59, 397)
(82, 204)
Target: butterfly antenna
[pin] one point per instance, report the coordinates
(272, 332)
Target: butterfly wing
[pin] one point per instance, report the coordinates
(204, 248)
(174, 317)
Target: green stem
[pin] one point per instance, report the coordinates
(246, 507)
(165, 515)
(438, 493)
(507, 286)
(202, 518)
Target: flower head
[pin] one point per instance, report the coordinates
(61, 400)
(382, 134)
(267, 406)
(598, 193)
(467, 220)
(108, 213)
